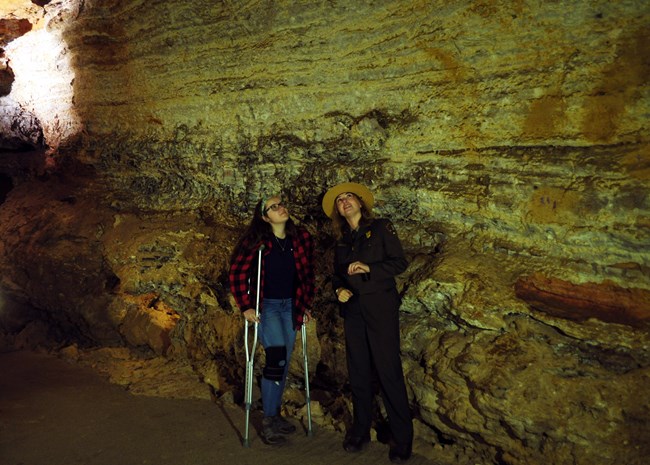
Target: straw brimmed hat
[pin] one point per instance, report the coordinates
(360, 191)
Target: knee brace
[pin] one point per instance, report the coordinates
(276, 360)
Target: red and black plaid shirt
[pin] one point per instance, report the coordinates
(243, 275)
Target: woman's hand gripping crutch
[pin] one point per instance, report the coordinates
(250, 352)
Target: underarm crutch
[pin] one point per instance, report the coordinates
(250, 354)
(310, 432)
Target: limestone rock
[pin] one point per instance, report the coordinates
(508, 143)
(606, 302)
(149, 322)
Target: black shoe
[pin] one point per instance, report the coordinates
(399, 453)
(282, 425)
(269, 436)
(356, 443)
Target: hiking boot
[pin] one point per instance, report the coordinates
(281, 425)
(269, 435)
(399, 453)
(356, 443)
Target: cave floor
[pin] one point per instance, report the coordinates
(54, 412)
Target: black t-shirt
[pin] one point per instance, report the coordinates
(279, 270)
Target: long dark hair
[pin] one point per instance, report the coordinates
(340, 225)
(258, 231)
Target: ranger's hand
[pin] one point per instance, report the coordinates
(358, 268)
(343, 294)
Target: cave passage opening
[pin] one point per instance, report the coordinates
(6, 185)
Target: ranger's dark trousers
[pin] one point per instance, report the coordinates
(372, 337)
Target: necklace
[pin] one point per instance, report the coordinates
(283, 244)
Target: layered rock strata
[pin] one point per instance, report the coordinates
(508, 142)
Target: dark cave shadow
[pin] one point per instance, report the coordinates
(255, 424)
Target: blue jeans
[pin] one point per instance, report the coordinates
(276, 329)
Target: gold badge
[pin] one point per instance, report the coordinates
(368, 234)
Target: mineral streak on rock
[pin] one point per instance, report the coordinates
(605, 301)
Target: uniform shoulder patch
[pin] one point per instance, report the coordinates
(390, 228)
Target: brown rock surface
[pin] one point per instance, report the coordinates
(605, 301)
(508, 142)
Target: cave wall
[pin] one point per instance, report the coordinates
(508, 141)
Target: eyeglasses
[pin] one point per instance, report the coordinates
(274, 207)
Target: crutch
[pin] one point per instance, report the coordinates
(250, 354)
(310, 432)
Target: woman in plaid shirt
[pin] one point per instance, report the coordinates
(286, 293)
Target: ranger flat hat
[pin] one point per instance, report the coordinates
(360, 191)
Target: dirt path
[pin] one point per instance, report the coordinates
(56, 413)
